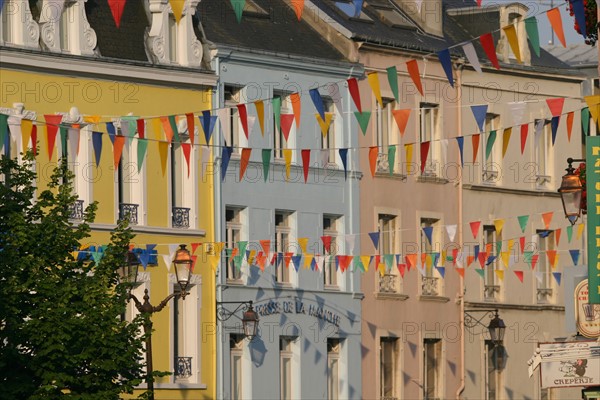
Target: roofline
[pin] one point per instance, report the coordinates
(453, 12)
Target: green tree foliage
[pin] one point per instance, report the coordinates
(62, 334)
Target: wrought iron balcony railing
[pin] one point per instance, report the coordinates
(183, 367)
(76, 210)
(544, 294)
(490, 292)
(429, 286)
(181, 217)
(387, 283)
(130, 212)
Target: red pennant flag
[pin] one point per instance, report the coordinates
(487, 42)
(454, 256)
(519, 275)
(195, 246)
(556, 106)
(296, 106)
(266, 246)
(353, 88)
(475, 142)
(534, 260)
(524, 133)
(482, 256)
(401, 269)
(344, 262)
(377, 262)
(118, 150)
(191, 127)
(244, 159)
(261, 260)
(274, 259)
(187, 148)
(424, 154)
(116, 9)
(557, 236)
(547, 217)
(141, 128)
(522, 243)
(34, 139)
(287, 257)
(413, 71)
(167, 128)
(373, 154)
(461, 272)
(243, 118)
(286, 124)
(570, 117)
(401, 118)
(551, 254)
(556, 23)
(52, 122)
(326, 243)
(305, 162)
(475, 228)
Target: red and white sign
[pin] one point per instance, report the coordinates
(587, 316)
(570, 364)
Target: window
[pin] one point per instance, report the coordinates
(432, 360)
(544, 272)
(328, 141)
(236, 350)
(172, 39)
(233, 229)
(286, 367)
(543, 155)
(491, 288)
(430, 284)
(17, 26)
(388, 368)
(182, 178)
(279, 142)
(429, 132)
(388, 226)
(333, 369)
(331, 227)
(349, 9)
(129, 185)
(493, 381)
(282, 241)
(387, 134)
(490, 163)
(232, 128)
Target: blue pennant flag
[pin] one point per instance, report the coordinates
(490, 260)
(318, 102)
(296, 260)
(476, 250)
(441, 270)
(554, 126)
(375, 239)
(446, 62)
(344, 155)
(461, 141)
(97, 144)
(579, 11)
(479, 113)
(574, 256)
(557, 276)
(208, 124)
(225, 157)
(428, 230)
(110, 128)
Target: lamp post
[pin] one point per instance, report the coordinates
(249, 316)
(496, 327)
(129, 273)
(571, 191)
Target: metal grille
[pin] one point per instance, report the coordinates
(429, 286)
(387, 283)
(181, 217)
(129, 212)
(183, 367)
(76, 210)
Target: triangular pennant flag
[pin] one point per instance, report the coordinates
(116, 9)
(451, 231)
(344, 156)
(286, 125)
(490, 144)
(557, 276)
(531, 26)
(556, 106)
(142, 147)
(552, 257)
(391, 157)
(446, 61)
(580, 229)
(363, 119)
(479, 112)
(522, 244)
(308, 260)
(187, 149)
(574, 256)
(177, 8)
(475, 143)
(413, 71)
(276, 104)
(266, 161)
(110, 129)
(504, 256)
(303, 242)
(388, 259)
(305, 162)
(238, 8)
(118, 150)
(287, 156)
(373, 155)
(579, 11)
(424, 154)
(475, 228)
(534, 260)
(554, 125)
(524, 133)
(593, 103)
(225, 157)
(471, 55)
(296, 259)
(373, 79)
(570, 118)
(63, 130)
(375, 239)
(401, 269)
(401, 118)
(505, 140)
(499, 273)
(365, 261)
(266, 245)
(244, 159)
(523, 219)
(499, 224)
(167, 128)
(555, 19)
(26, 128)
(298, 6)
(260, 113)
(97, 145)
(460, 141)
(482, 257)
(191, 127)
(324, 124)
(428, 231)
(52, 122)
(487, 42)
(470, 260)
(519, 275)
(557, 234)
(408, 149)
(441, 271)
(317, 101)
(163, 151)
(354, 93)
(4, 125)
(243, 113)
(585, 121)
(547, 218)
(326, 243)
(481, 272)
(297, 107)
(511, 36)
(411, 260)
(570, 233)
(392, 74)
(460, 271)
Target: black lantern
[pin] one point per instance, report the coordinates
(249, 316)
(571, 191)
(128, 271)
(250, 322)
(183, 268)
(497, 329)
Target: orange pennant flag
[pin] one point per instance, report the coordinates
(118, 149)
(551, 254)
(511, 35)
(373, 78)
(470, 260)
(298, 6)
(260, 112)
(26, 128)
(373, 154)
(411, 260)
(163, 151)
(401, 118)
(244, 159)
(461, 272)
(296, 106)
(475, 143)
(266, 246)
(505, 140)
(556, 23)
(557, 236)
(570, 117)
(167, 128)
(413, 71)
(547, 217)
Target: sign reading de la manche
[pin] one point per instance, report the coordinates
(570, 364)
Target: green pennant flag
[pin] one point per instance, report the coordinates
(498, 247)
(237, 260)
(391, 157)
(392, 74)
(358, 264)
(490, 144)
(527, 257)
(238, 8)
(173, 124)
(531, 26)
(3, 129)
(266, 160)
(141, 152)
(242, 246)
(64, 132)
(363, 120)
(132, 122)
(523, 219)
(389, 260)
(276, 102)
(481, 272)
(570, 232)
(585, 121)
(228, 252)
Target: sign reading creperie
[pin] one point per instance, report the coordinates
(570, 364)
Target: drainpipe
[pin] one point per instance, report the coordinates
(461, 295)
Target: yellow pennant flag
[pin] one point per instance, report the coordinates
(251, 256)
(580, 229)
(260, 111)
(324, 124)
(443, 261)
(499, 274)
(26, 128)
(511, 243)
(91, 119)
(511, 35)
(177, 7)
(365, 260)
(381, 269)
(157, 128)
(287, 155)
(218, 247)
(504, 256)
(213, 261)
(428, 261)
(409, 157)
(163, 151)
(505, 140)
(303, 242)
(499, 224)
(593, 103)
(308, 260)
(373, 79)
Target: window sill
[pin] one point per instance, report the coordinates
(390, 296)
(331, 288)
(381, 174)
(432, 179)
(235, 282)
(440, 299)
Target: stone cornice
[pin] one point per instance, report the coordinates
(499, 189)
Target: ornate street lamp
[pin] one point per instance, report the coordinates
(249, 317)
(571, 191)
(128, 273)
(496, 327)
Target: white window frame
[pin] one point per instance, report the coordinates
(279, 142)
(188, 192)
(332, 278)
(492, 285)
(388, 226)
(329, 141)
(490, 167)
(396, 368)
(435, 220)
(283, 240)
(333, 368)
(236, 357)
(439, 370)
(545, 290)
(233, 133)
(17, 26)
(429, 130)
(234, 232)
(286, 355)
(387, 133)
(544, 157)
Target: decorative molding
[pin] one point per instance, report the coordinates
(483, 188)
(390, 296)
(440, 299)
(18, 111)
(50, 17)
(23, 29)
(508, 306)
(195, 279)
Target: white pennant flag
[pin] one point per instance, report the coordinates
(172, 250)
(74, 141)
(167, 259)
(251, 122)
(539, 276)
(517, 110)
(334, 92)
(324, 157)
(319, 260)
(451, 230)
(539, 127)
(471, 54)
